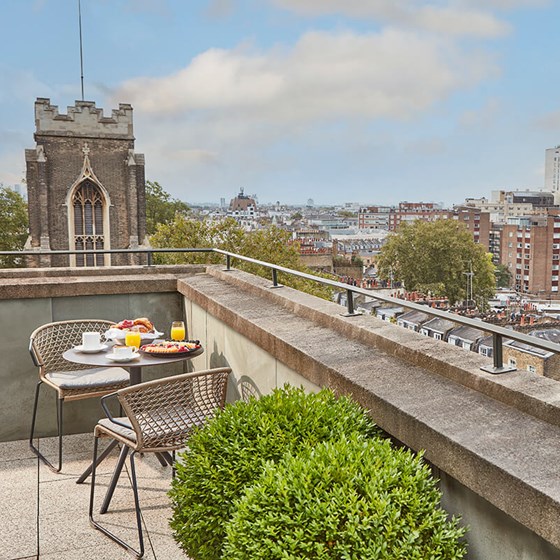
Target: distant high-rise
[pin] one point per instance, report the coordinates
(552, 172)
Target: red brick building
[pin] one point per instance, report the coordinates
(531, 251)
(411, 211)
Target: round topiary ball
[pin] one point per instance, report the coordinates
(228, 455)
(354, 498)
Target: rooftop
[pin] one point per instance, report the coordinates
(492, 440)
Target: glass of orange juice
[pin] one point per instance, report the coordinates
(132, 337)
(178, 330)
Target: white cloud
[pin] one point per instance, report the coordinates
(392, 74)
(229, 116)
(447, 17)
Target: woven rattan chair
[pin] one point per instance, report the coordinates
(70, 381)
(160, 416)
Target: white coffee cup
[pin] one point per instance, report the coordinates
(124, 351)
(91, 340)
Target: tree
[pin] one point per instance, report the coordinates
(436, 257)
(271, 244)
(346, 214)
(13, 225)
(503, 276)
(160, 207)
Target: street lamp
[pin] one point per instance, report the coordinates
(469, 276)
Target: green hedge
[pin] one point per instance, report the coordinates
(354, 498)
(226, 457)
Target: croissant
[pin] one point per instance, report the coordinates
(144, 322)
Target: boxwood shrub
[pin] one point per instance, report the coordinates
(348, 499)
(228, 455)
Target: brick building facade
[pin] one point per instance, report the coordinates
(532, 255)
(86, 186)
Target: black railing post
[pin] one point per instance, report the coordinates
(497, 350)
(275, 279)
(497, 355)
(150, 259)
(228, 262)
(350, 302)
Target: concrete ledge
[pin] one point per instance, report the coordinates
(419, 390)
(535, 395)
(63, 282)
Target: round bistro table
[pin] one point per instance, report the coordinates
(134, 366)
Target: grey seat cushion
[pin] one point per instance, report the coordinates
(89, 378)
(128, 432)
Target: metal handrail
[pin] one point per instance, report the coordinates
(498, 333)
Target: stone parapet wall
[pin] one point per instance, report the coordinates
(495, 439)
(83, 119)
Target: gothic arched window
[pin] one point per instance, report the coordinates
(87, 204)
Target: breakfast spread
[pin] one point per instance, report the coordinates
(170, 347)
(143, 324)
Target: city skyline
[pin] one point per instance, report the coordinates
(357, 101)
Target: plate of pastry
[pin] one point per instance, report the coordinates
(170, 348)
(148, 332)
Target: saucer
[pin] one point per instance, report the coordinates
(114, 358)
(101, 348)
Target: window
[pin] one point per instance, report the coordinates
(87, 203)
(437, 336)
(512, 362)
(532, 369)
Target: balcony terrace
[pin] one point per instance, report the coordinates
(493, 440)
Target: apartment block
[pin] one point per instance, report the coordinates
(477, 222)
(412, 211)
(374, 217)
(552, 170)
(532, 254)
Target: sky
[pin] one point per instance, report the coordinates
(361, 101)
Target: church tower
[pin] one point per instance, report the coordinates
(85, 184)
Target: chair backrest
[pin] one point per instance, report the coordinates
(164, 412)
(48, 342)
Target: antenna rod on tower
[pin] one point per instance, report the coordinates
(81, 52)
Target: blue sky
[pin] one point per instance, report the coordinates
(369, 101)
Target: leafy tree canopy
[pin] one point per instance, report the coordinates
(346, 214)
(503, 276)
(161, 207)
(13, 225)
(435, 257)
(272, 245)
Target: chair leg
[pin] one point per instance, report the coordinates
(136, 503)
(59, 418)
(114, 479)
(59, 427)
(106, 532)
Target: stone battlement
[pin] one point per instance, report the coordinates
(83, 119)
